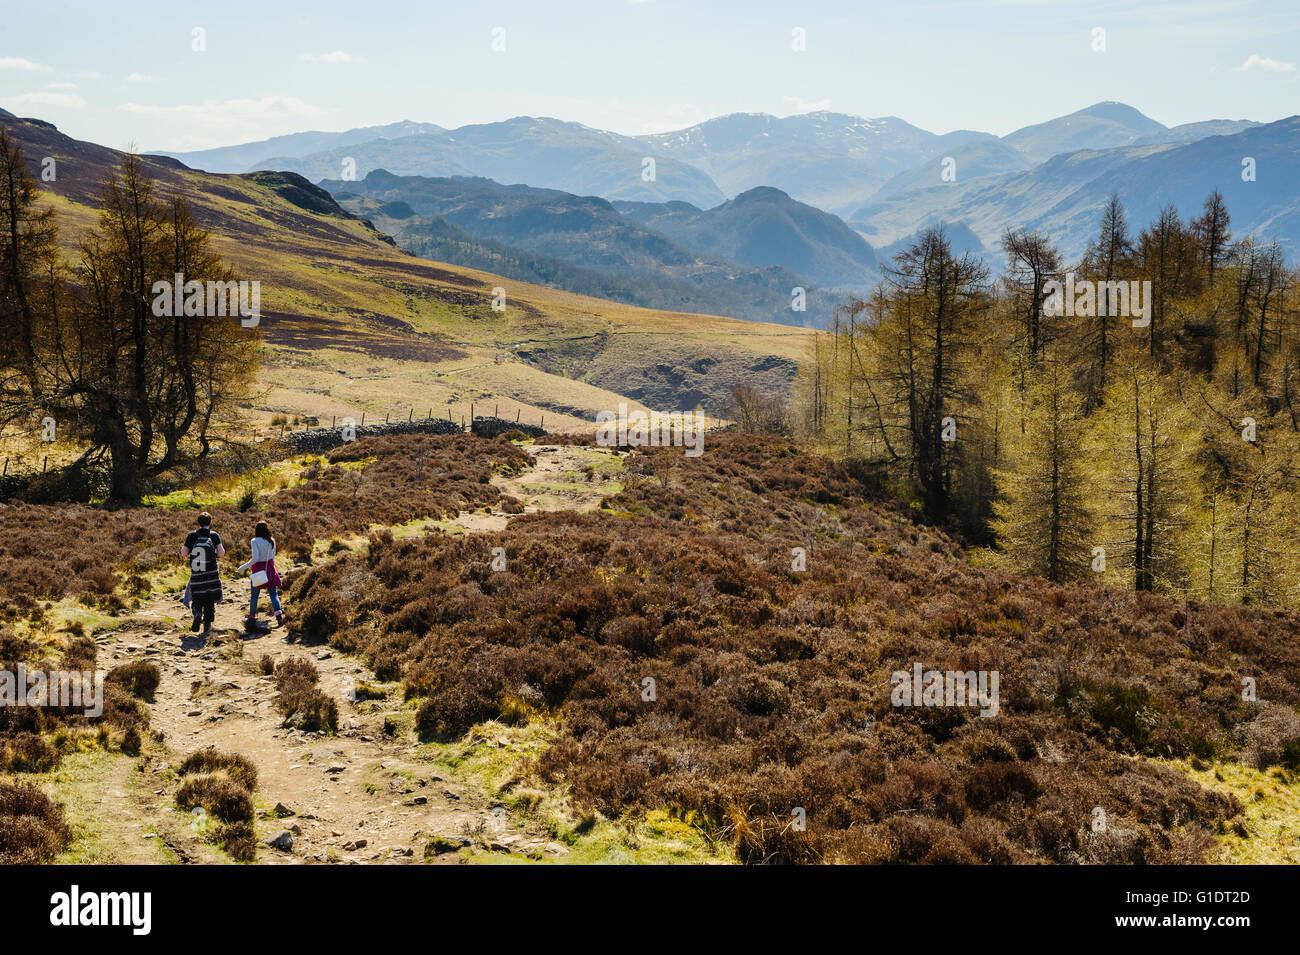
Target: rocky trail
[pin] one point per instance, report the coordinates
(355, 796)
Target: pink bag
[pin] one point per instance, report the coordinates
(265, 574)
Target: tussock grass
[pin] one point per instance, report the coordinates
(32, 827)
(220, 786)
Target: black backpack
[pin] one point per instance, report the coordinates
(203, 555)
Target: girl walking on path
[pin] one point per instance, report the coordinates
(264, 574)
(202, 548)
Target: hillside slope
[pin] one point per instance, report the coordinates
(352, 324)
(973, 160)
(619, 673)
(774, 682)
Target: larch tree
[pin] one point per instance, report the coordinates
(1107, 260)
(28, 261)
(1165, 256)
(1044, 518)
(1032, 261)
(1149, 431)
(928, 338)
(1213, 237)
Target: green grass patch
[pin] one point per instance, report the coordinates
(496, 759)
(83, 782)
(1269, 829)
(228, 489)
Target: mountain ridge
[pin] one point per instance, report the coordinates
(1064, 195)
(765, 226)
(567, 241)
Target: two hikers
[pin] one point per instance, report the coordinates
(202, 547)
(262, 567)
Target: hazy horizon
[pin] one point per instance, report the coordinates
(637, 66)
(413, 120)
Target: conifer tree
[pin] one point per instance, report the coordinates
(1213, 239)
(1045, 521)
(1149, 431)
(1108, 259)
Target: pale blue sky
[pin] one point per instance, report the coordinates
(633, 66)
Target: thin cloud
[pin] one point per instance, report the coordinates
(266, 107)
(1262, 64)
(19, 63)
(46, 100)
(138, 78)
(221, 122)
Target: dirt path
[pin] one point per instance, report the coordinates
(357, 796)
(561, 479)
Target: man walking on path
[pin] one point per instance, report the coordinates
(202, 548)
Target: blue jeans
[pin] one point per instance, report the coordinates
(271, 592)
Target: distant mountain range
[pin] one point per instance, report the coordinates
(750, 190)
(1063, 195)
(830, 160)
(834, 161)
(736, 258)
(971, 160)
(1189, 132)
(251, 156)
(546, 153)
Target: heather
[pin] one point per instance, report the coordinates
(770, 690)
(93, 554)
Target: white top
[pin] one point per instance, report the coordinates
(263, 550)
